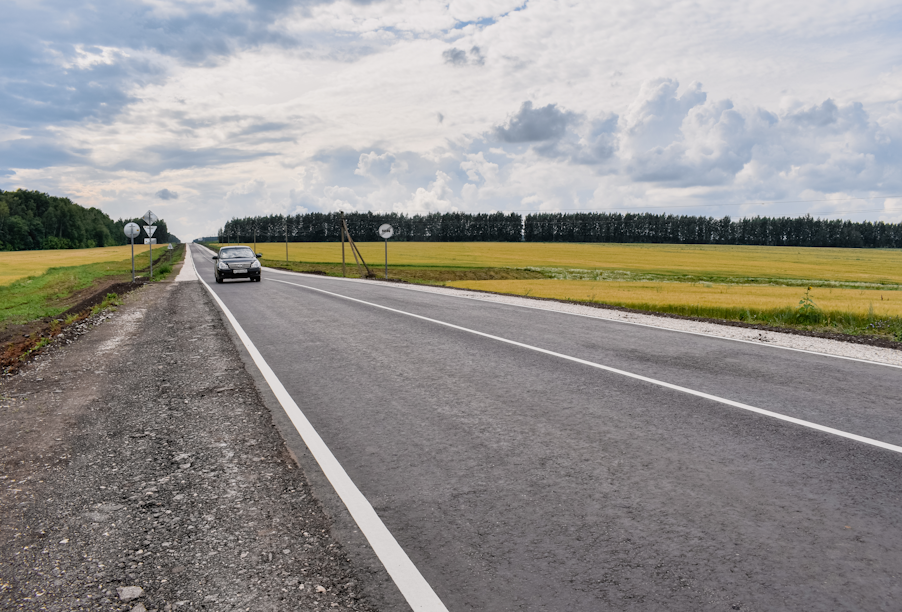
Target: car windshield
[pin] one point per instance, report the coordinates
(242, 253)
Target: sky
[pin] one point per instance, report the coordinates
(207, 110)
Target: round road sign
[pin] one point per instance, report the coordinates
(386, 231)
(131, 230)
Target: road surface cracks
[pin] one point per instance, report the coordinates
(142, 456)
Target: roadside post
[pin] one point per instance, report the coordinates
(342, 244)
(150, 228)
(169, 251)
(131, 231)
(386, 231)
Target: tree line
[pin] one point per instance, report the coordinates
(574, 227)
(31, 220)
(687, 229)
(364, 226)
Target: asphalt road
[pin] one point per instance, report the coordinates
(520, 480)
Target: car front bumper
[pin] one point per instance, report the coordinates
(247, 273)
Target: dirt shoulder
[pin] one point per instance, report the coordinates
(141, 455)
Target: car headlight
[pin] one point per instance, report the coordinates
(223, 265)
(255, 265)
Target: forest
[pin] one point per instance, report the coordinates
(31, 220)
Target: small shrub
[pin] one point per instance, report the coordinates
(808, 312)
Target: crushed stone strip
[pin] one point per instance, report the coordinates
(155, 479)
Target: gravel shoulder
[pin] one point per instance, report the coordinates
(142, 455)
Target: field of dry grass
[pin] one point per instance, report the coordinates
(707, 296)
(19, 264)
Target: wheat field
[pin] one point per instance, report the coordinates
(707, 296)
(19, 264)
(709, 261)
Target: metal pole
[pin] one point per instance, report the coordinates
(386, 258)
(343, 245)
(150, 250)
(286, 238)
(133, 259)
(255, 239)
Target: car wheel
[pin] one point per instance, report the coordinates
(218, 280)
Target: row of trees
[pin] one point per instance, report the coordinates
(578, 227)
(33, 220)
(326, 227)
(685, 229)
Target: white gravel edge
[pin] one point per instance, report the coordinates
(823, 346)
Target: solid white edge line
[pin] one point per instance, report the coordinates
(653, 381)
(597, 318)
(415, 589)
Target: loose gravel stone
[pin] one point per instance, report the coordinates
(129, 593)
(139, 481)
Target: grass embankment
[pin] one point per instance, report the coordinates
(21, 264)
(853, 291)
(27, 303)
(51, 290)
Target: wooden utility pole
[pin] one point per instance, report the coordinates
(342, 231)
(355, 251)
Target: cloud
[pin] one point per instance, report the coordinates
(535, 124)
(156, 159)
(456, 57)
(418, 104)
(165, 194)
(459, 57)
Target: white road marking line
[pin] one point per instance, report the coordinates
(653, 381)
(407, 577)
(597, 318)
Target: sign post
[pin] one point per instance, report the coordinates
(131, 231)
(386, 231)
(150, 228)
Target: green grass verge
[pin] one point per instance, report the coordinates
(411, 274)
(889, 328)
(50, 293)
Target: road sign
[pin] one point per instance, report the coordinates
(150, 229)
(132, 231)
(386, 231)
(150, 241)
(150, 218)
(169, 247)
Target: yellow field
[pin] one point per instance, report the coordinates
(643, 295)
(847, 265)
(19, 264)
